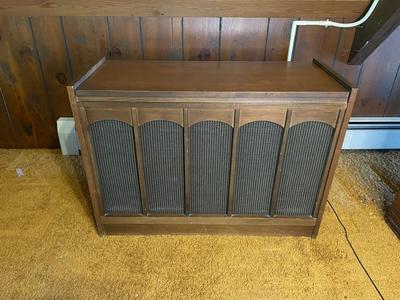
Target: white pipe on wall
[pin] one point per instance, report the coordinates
(325, 23)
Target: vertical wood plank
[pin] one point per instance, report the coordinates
(162, 38)
(86, 39)
(22, 85)
(7, 138)
(243, 38)
(124, 37)
(327, 51)
(350, 72)
(377, 78)
(308, 42)
(316, 42)
(53, 57)
(278, 39)
(201, 38)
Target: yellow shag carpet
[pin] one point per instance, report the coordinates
(49, 248)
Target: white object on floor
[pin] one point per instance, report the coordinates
(67, 136)
(19, 172)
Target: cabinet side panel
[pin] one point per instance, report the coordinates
(162, 150)
(304, 164)
(114, 152)
(258, 151)
(210, 158)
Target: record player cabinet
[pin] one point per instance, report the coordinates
(210, 147)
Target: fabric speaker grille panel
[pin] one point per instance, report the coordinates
(305, 159)
(257, 157)
(163, 160)
(210, 159)
(114, 152)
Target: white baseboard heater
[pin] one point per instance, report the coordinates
(373, 133)
(362, 134)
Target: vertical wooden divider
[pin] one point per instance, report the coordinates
(81, 128)
(92, 160)
(279, 168)
(139, 160)
(343, 128)
(233, 162)
(328, 162)
(187, 160)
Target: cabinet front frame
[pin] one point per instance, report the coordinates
(282, 112)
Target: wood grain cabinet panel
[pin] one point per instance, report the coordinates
(209, 155)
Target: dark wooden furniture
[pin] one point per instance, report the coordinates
(210, 147)
(393, 215)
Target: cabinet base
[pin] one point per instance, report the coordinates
(208, 225)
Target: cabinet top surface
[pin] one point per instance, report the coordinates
(215, 77)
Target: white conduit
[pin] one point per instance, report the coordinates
(325, 23)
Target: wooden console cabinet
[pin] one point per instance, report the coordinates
(210, 147)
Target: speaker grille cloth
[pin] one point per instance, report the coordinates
(210, 158)
(305, 158)
(163, 158)
(114, 151)
(257, 156)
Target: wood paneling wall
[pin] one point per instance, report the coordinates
(39, 55)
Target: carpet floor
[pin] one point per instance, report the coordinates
(49, 248)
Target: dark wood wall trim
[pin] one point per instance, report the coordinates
(206, 8)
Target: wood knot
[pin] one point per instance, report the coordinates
(61, 78)
(204, 54)
(25, 51)
(115, 53)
